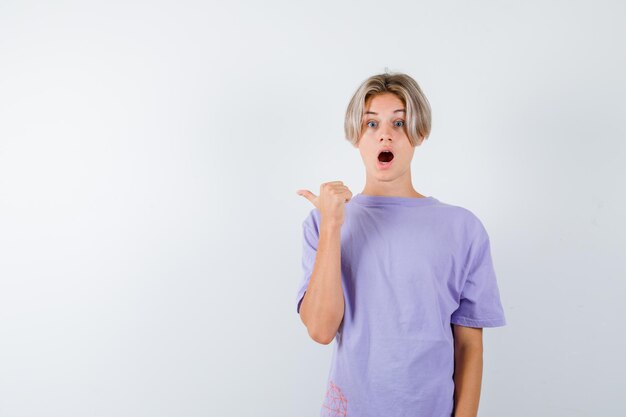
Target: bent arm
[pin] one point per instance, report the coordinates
(322, 307)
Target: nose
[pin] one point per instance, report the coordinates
(385, 133)
(385, 136)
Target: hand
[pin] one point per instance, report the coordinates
(330, 202)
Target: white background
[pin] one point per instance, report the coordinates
(150, 234)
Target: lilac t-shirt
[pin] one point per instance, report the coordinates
(410, 267)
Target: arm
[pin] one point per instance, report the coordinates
(322, 307)
(468, 368)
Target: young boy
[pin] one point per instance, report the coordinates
(403, 282)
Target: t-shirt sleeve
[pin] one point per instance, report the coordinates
(480, 304)
(310, 237)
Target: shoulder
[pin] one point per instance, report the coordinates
(463, 219)
(458, 212)
(312, 219)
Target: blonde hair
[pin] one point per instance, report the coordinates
(418, 113)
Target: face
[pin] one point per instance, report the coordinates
(384, 127)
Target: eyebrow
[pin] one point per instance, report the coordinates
(395, 111)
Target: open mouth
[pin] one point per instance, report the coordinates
(385, 157)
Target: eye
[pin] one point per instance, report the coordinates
(368, 123)
(400, 121)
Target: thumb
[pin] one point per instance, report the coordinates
(307, 194)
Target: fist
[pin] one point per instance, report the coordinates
(331, 201)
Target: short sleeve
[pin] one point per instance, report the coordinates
(480, 304)
(310, 237)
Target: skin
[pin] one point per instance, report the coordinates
(323, 306)
(386, 128)
(468, 369)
